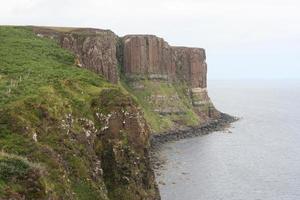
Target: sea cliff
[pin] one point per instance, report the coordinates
(78, 107)
(168, 82)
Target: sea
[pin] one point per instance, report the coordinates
(257, 158)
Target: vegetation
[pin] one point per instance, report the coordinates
(43, 101)
(155, 95)
(48, 124)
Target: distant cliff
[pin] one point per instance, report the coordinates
(167, 81)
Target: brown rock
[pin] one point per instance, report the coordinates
(190, 65)
(95, 49)
(151, 56)
(147, 55)
(143, 55)
(125, 148)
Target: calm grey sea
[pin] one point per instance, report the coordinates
(259, 159)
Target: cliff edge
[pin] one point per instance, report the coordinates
(170, 83)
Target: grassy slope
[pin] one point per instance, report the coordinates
(38, 81)
(157, 122)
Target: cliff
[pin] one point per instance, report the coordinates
(65, 133)
(168, 82)
(78, 108)
(151, 56)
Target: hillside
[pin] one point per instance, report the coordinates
(78, 107)
(65, 132)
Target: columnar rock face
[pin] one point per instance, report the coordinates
(95, 49)
(190, 65)
(151, 56)
(147, 55)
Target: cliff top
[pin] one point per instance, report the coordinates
(49, 29)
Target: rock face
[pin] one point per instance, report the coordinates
(147, 55)
(95, 52)
(125, 148)
(181, 70)
(190, 65)
(143, 55)
(150, 57)
(95, 49)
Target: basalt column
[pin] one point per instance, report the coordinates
(147, 56)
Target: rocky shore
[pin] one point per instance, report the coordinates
(158, 140)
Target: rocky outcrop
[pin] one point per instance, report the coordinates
(143, 55)
(147, 55)
(125, 148)
(140, 58)
(150, 57)
(190, 65)
(95, 49)
(105, 156)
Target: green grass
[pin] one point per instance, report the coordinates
(10, 167)
(28, 63)
(157, 122)
(15, 174)
(39, 88)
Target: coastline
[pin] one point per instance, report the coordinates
(158, 140)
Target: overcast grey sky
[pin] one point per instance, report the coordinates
(243, 39)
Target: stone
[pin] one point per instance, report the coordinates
(151, 56)
(190, 65)
(147, 55)
(95, 49)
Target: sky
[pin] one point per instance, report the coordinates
(257, 39)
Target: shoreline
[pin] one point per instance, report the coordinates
(158, 140)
